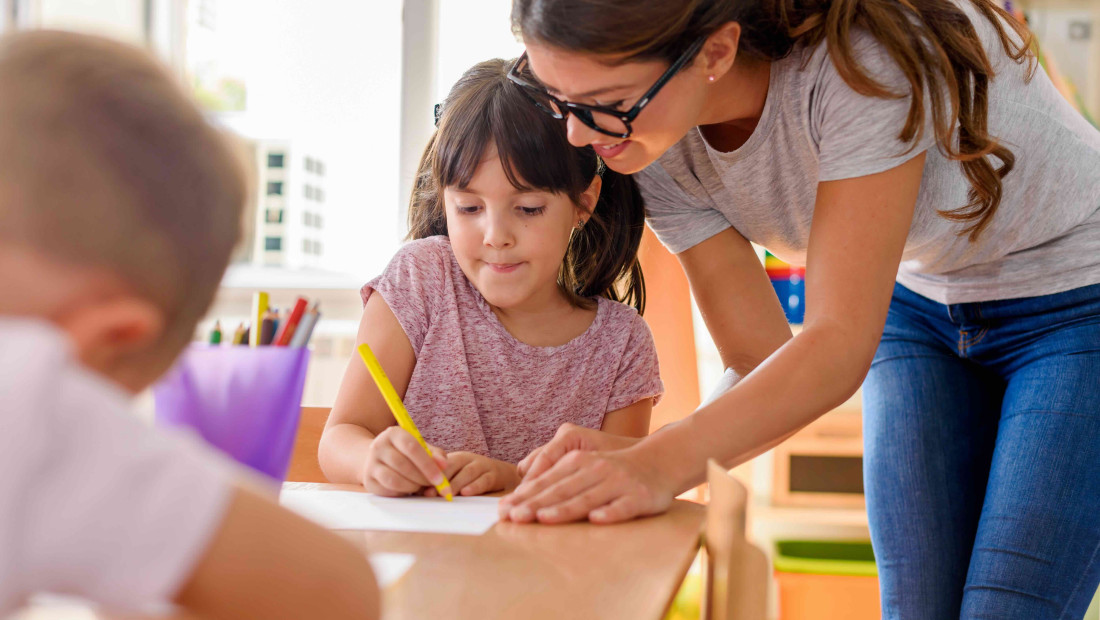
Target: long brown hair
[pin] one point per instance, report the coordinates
(932, 41)
(484, 108)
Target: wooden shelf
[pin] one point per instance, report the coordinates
(830, 517)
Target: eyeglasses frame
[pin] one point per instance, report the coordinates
(584, 111)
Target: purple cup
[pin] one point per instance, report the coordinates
(244, 401)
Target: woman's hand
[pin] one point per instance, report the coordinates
(604, 487)
(568, 438)
(473, 474)
(397, 465)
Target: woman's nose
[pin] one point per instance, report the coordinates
(578, 133)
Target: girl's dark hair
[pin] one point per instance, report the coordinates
(485, 109)
(932, 41)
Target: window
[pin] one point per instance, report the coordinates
(274, 188)
(309, 192)
(273, 243)
(274, 216)
(317, 248)
(319, 195)
(307, 247)
(307, 218)
(309, 164)
(319, 168)
(317, 220)
(275, 160)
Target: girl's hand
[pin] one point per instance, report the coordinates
(397, 465)
(604, 487)
(473, 474)
(568, 438)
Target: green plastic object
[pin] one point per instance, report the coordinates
(820, 557)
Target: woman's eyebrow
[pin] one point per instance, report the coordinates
(589, 94)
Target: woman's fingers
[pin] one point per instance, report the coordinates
(558, 483)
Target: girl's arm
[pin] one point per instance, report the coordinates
(858, 234)
(630, 421)
(361, 443)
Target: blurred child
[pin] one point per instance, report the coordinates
(119, 206)
(504, 318)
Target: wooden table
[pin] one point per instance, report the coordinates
(579, 570)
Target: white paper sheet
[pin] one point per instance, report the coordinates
(389, 567)
(349, 510)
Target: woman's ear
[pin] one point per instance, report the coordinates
(588, 200)
(720, 50)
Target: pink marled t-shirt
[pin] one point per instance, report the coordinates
(476, 388)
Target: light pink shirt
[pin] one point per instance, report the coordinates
(476, 388)
(93, 503)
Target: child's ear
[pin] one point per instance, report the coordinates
(589, 199)
(106, 331)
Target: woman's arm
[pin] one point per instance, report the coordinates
(858, 233)
(360, 417)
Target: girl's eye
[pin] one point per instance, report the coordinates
(532, 210)
(468, 210)
(615, 105)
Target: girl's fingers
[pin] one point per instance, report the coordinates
(483, 484)
(399, 463)
(429, 469)
(392, 483)
(470, 472)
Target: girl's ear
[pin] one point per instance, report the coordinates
(589, 198)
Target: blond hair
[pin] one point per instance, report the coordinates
(106, 161)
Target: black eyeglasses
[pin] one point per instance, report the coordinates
(606, 120)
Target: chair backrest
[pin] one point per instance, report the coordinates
(737, 572)
(303, 462)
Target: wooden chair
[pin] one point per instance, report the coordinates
(303, 461)
(736, 571)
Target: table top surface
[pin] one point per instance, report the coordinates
(578, 570)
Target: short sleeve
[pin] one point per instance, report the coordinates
(680, 220)
(856, 134)
(98, 504)
(411, 285)
(639, 375)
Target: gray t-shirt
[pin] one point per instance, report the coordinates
(1043, 239)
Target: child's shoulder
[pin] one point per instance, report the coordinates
(424, 256)
(623, 318)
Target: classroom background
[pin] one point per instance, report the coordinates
(334, 100)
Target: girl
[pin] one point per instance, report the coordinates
(946, 201)
(504, 318)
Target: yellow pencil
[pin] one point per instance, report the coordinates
(398, 408)
(259, 307)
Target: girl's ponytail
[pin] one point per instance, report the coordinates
(602, 258)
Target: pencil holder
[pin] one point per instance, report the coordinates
(244, 401)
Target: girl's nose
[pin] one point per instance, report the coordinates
(498, 235)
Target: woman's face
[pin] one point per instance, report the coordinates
(587, 78)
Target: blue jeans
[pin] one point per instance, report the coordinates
(982, 457)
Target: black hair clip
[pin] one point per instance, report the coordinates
(438, 113)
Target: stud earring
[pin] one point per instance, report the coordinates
(711, 78)
(580, 224)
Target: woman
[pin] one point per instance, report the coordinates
(946, 202)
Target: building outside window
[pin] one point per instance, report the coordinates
(319, 195)
(275, 160)
(307, 218)
(274, 188)
(274, 216)
(273, 244)
(309, 192)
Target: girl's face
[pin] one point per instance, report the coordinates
(583, 78)
(510, 243)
